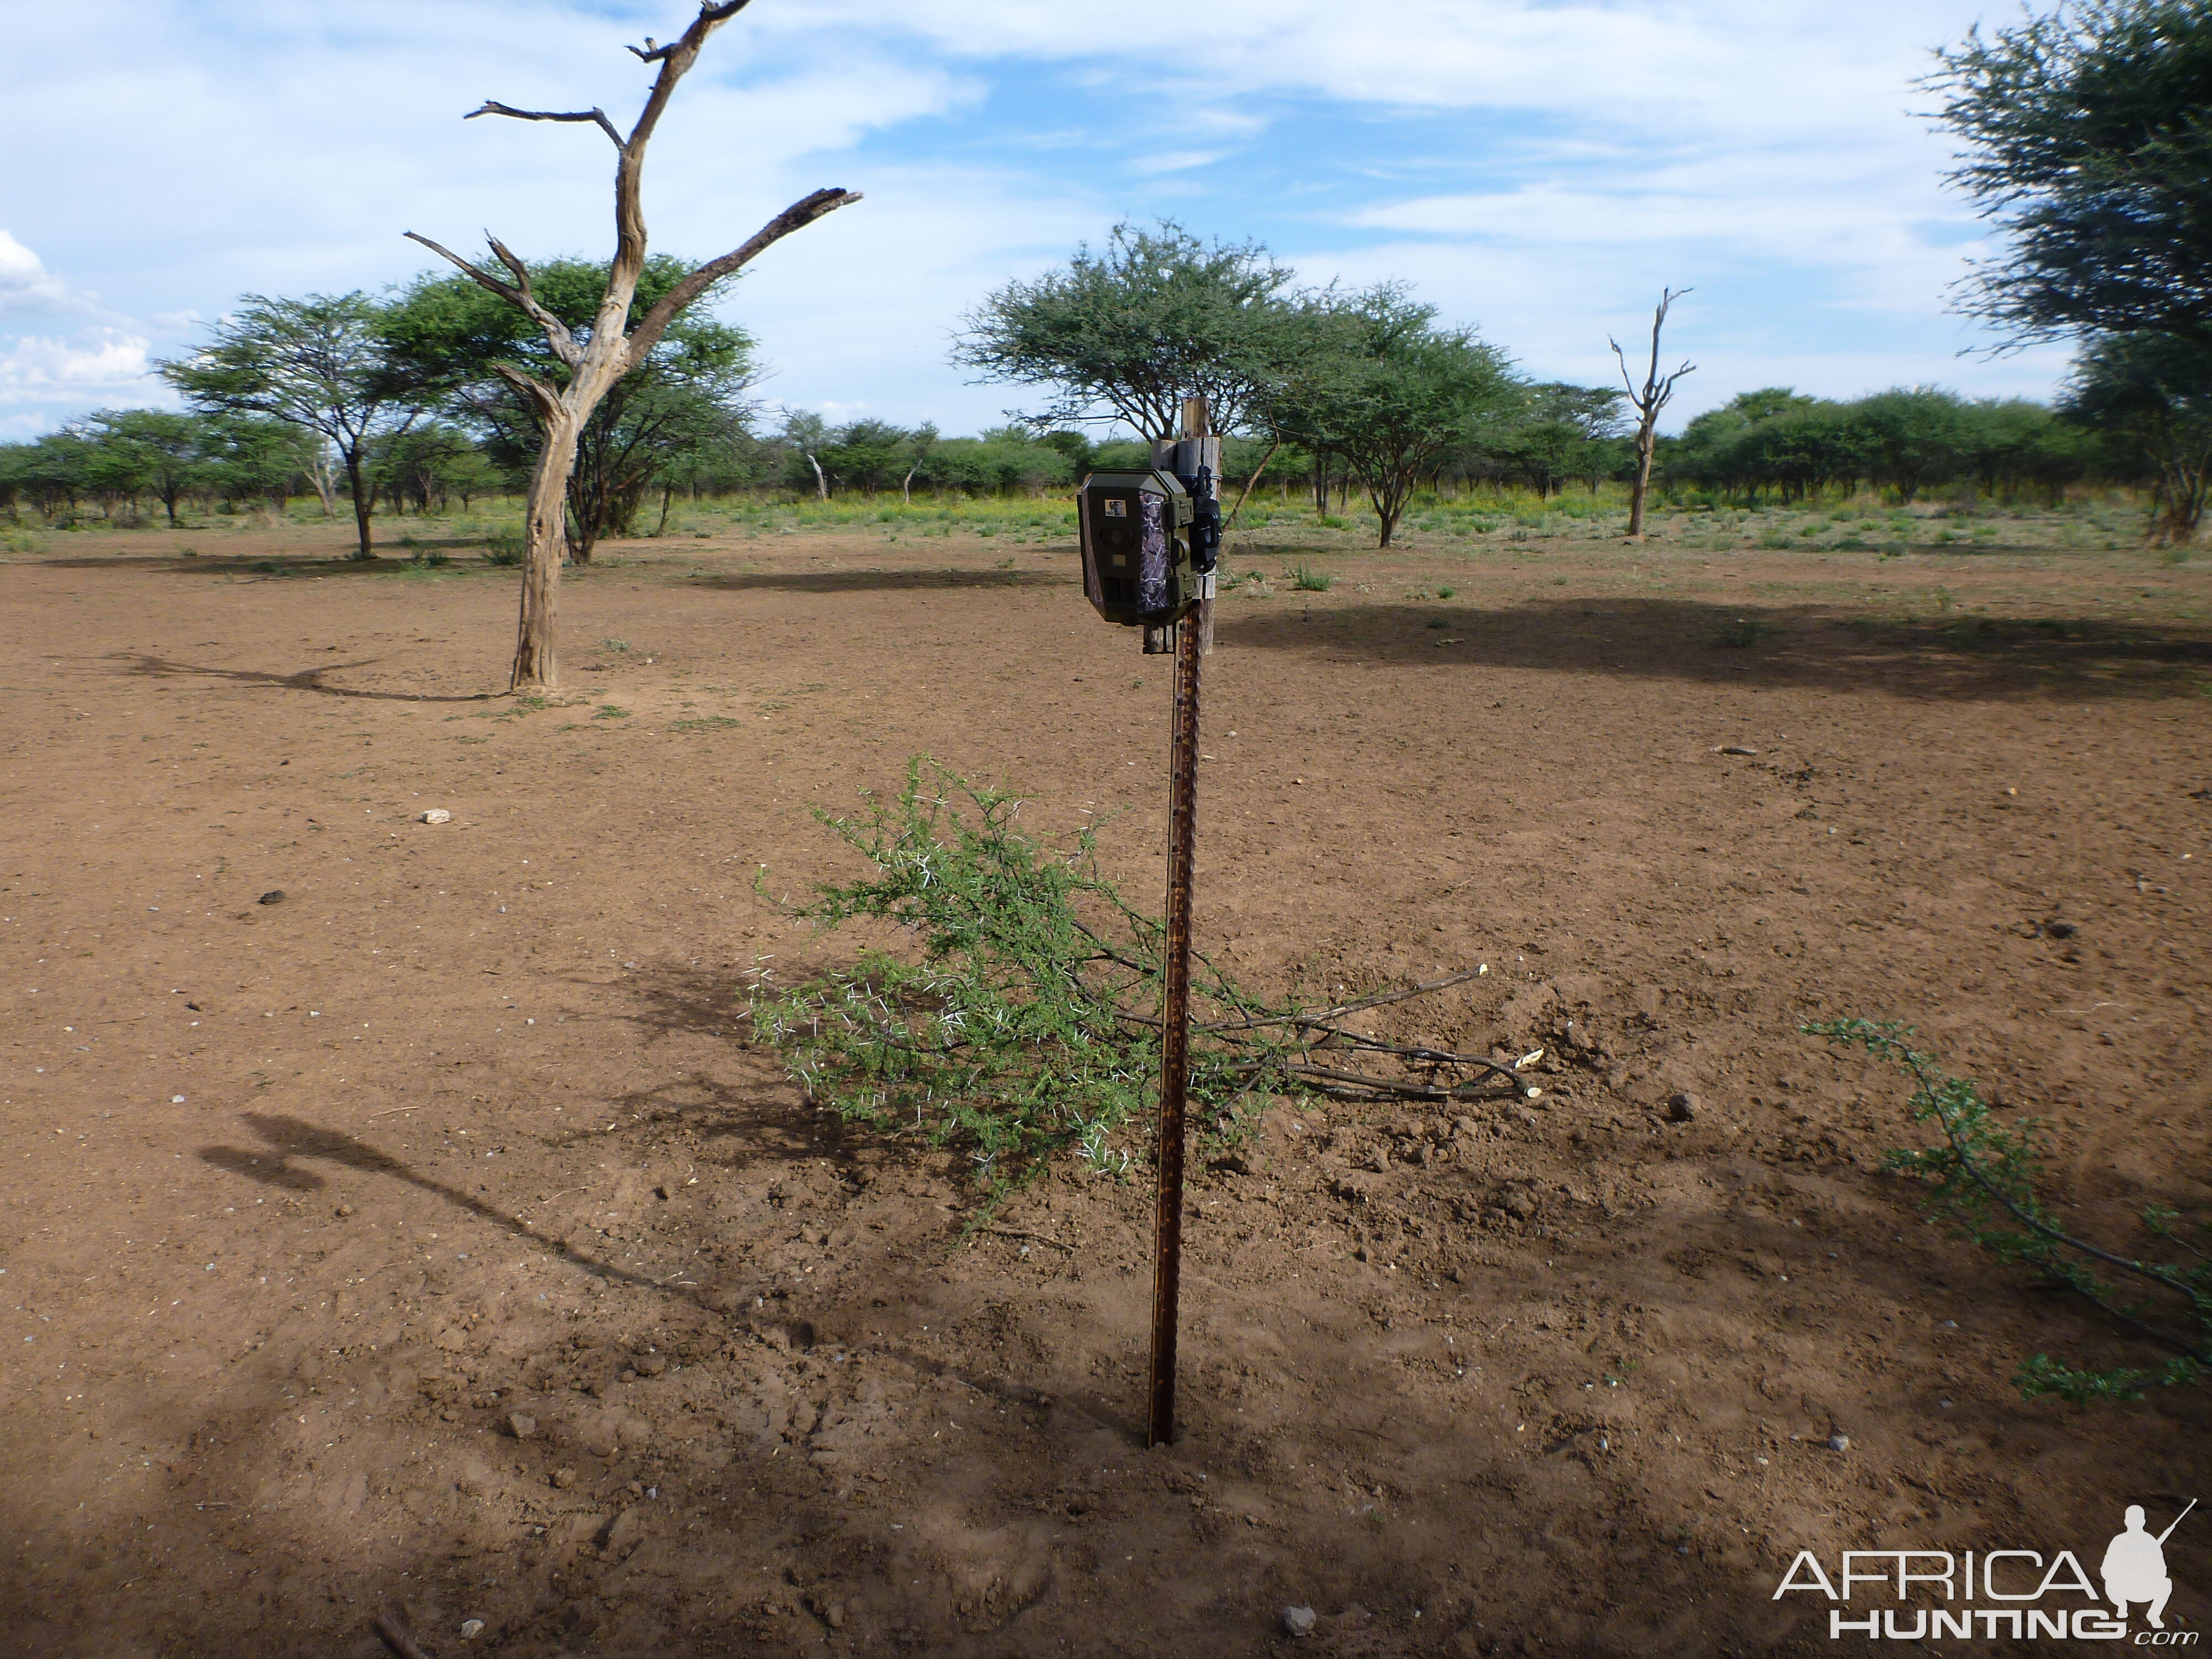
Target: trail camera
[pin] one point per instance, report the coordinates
(1148, 538)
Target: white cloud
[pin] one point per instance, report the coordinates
(27, 289)
(1178, 161)
(96, 365)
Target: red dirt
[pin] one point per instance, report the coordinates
(305, 1201)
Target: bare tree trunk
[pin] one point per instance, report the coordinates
(361, 502)
(320, 474)
(537, 666)
(906, 486)
(1646, 441)
(1229, 522)
(821, 478)
(1648, 402)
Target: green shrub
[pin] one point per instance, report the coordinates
(1029, 1021)
(505, 547)
(1307, 580)
(1983, 1175)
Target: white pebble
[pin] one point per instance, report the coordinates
(438, 815)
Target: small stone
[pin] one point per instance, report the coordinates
(1298, 1622)
(1839, 1442)
(2060, 929)
(345, 1210)
(522, 1427)
(437, 815)
(834, 1615)
(274, 895)
(563, 1479)
(472, 1628)
(1735, 749)
(651, 1364)
(1681, 1107)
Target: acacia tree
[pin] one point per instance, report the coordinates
(316, 363)
(2087, 143)
(612, 347)
(149, 450)
(1127, 333)
(1648, 401)
(2154, 392)
(1564, 432)
(1391, 394)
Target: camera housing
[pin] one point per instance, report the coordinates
(1143, 564)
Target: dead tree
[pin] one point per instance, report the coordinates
(1649, 402)
(597, 363)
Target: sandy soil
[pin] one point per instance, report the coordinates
(432, 1241)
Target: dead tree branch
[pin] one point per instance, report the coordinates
(799, 215)
(517, 295)
(492, 106)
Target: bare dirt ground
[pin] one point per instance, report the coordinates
(432, 1241)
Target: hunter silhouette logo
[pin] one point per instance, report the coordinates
(2016, 1593)
(2134, 1566)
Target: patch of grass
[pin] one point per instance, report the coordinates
(614, 645)
(1307, 580)
(1446, 592)
(705, 723)
(1739, 633)
(608, 711)
(505, 547)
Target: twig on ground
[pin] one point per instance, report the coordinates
(396, 1637)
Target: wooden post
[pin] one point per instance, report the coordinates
(1174, 1041)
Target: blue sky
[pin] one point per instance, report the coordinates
(1538, 169)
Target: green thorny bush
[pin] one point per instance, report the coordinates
(1031, 1022)
(1984, 1173)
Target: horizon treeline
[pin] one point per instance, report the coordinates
(437, 425)
(1770, 443)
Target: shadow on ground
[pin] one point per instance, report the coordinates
(879, 582)
(1800, 646)
(306, 679)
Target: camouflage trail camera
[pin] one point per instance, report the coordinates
(1139, 566)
